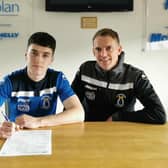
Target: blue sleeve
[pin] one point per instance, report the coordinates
(5, 89)
(63, 87)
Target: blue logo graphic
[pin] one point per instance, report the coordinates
(8, 35)
(166, 4)
(156, 37)
(8, 9)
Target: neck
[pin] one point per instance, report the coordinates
(35, 77)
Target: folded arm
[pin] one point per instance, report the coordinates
(73, 113)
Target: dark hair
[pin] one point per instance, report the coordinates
(43, 39)
(107, 32)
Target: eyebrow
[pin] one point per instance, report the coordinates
(35, 50)
(109, 46)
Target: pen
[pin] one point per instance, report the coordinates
(17, 127)
(5, 116)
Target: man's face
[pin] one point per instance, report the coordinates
(38, 60)
(106, 50)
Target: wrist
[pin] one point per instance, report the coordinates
(39, 122)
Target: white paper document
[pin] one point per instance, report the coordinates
(27, 142)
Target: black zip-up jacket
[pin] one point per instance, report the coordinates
(114, 93)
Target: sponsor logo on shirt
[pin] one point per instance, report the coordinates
(23, 105)
(90, 95)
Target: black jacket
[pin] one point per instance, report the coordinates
(114, 92)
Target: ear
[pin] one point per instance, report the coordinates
(25, 56)
(93, 51)
(52, 59)
(119, 49)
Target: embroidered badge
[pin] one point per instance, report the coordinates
(120, 100)
(45, 102)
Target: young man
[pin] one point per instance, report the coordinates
(108, 87)
(32, 92)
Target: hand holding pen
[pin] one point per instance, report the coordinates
(7, 128)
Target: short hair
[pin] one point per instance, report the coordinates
(107, 32)
(43, 39)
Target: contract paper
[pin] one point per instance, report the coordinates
(27, 142)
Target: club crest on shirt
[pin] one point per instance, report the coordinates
(120, 100)
(23, 105)
(90, 95)
(45, 102)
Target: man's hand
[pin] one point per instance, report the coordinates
(26, 121)
(7, 129)
(109, 119)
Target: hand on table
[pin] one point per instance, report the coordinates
(27, 121)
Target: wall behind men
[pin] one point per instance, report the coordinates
(74, 44)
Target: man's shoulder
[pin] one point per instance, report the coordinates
(132, 72)
(16, 73)
(53, 71)
(132, 68)
(88, 64)
(53, 74)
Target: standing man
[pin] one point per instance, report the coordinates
(32, 92)
(108, 87)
